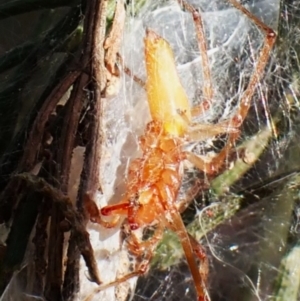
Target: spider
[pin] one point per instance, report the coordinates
(154, 179)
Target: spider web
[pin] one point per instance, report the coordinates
(249, 228)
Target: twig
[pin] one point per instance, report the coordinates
(33, 144)
(66, 206)
(94, 31)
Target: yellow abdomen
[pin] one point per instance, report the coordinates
(167, 99)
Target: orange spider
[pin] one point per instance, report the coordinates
(154, 179)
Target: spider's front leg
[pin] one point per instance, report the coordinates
(216, 163)
(95, 214)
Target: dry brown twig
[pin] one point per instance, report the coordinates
(51, 161)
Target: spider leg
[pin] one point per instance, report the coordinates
(269, 40)
(176, 224)
(200, 253)
(200, 132)
(173, 221)
(127, 71)
(208, 91)
(215, 164)
(138, 247)
(144, 252)
(196, 246)
(140, 270)
(95, 215)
